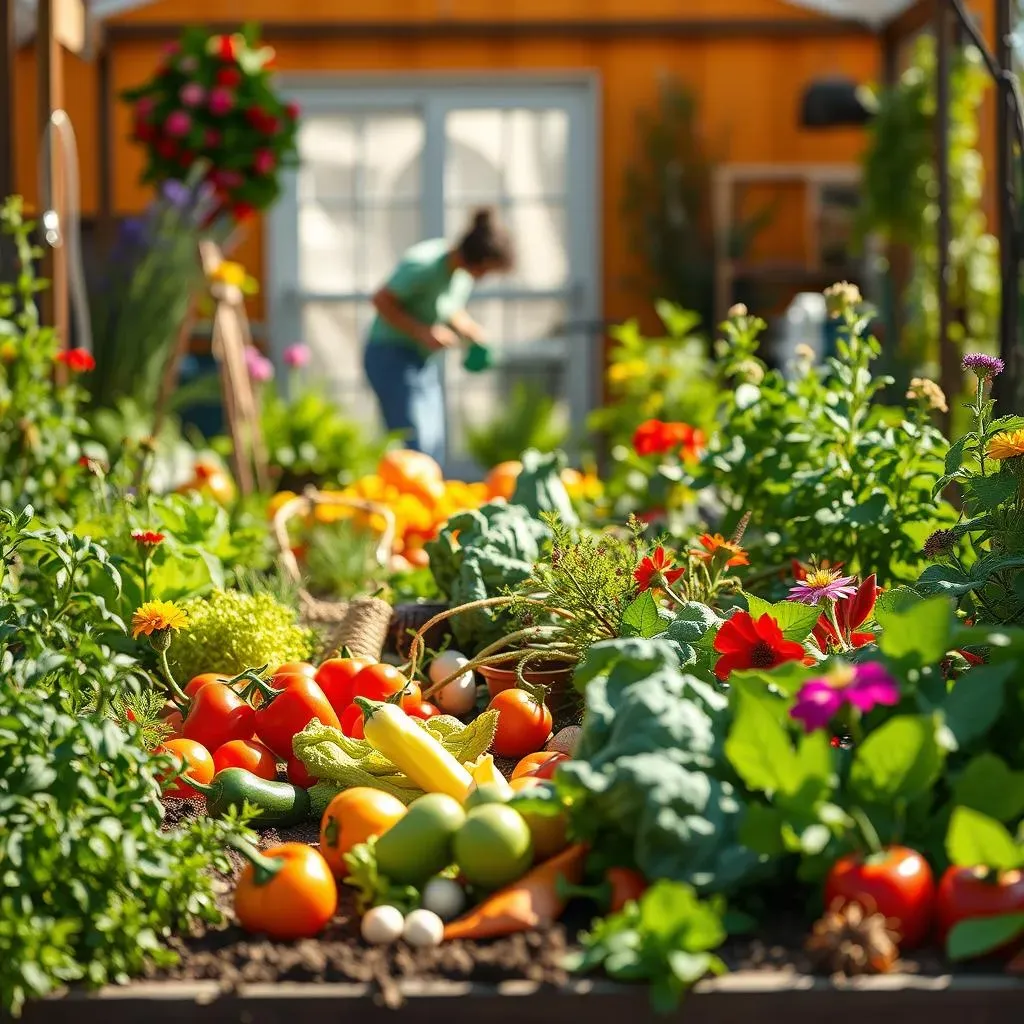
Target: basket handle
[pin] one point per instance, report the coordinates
(306, 502)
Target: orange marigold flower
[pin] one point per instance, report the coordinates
(1006, 445)
(656, 570)
(147, 538)
(157, 617)
(713, 543)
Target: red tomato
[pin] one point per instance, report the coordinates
(624, 885)
(195, 759)
(218, 715)
(298, 774)
(897, 882)
(251, 755)
(173, 722)
(280, 680)
(423, 710)
(335, 678)
(296, 668)
(196, 684)
(352, 722)
(378, 682)
(976, 892)
(412, 696)
(524, 723)
(289, 712)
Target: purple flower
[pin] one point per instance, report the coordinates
(985, 367)
(177, 124)
(260, 368)
(176, 194)
(862, 686)
(822, 584)
(296, 356)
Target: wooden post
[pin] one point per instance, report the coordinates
(8, 50)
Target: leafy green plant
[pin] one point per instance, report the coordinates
(340, 560)
(820, 467)
(528, 419)
(229, 632)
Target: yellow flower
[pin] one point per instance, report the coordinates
(1006, 445)
(157, 617)
(629, 369)
(230, 273)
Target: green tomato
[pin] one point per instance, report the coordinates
(419, 844)
(488, 793)
(493, 847)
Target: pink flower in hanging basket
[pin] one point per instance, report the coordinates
(296, 356)
(221, 102)
(171, 49)
(211, 138)
(145, 107)
(177, 124)
(264, 161)
(260, 368)
(227, 179)
(192, 94)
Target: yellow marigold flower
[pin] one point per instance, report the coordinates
(230, 273)
(157, 617)
(629, 369)
(1006, 445)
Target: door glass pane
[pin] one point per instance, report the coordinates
(386, 233)
(540, 234)
(474, 155)
(327, 247)
(538, 142)
(328, 148)
(392, 156)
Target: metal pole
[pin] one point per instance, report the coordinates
(1006, 386)
(948, 372)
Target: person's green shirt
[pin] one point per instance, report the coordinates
(428, 289)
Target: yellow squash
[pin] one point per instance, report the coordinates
(412, 750)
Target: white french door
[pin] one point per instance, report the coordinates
(383, 168)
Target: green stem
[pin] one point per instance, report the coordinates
(180, 698)
(834, 619)
(867, 830)
(266, 868)
(980, 411)
(145, 576)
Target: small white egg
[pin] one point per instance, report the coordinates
(444, 897)
(423, 928)
(459, 696)
(382, 925)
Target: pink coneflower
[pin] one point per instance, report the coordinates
(191, 94)
(296, 356)
(260, 368)
(221, 102)
(862, 686)
(823, 584)
(177, 124)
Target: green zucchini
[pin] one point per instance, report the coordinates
(280, 803)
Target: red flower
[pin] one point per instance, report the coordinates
(166, 148)
(229, 77)
(656, 569)
(744, 643)
(242, 211)
(77, 360)
(147, 538)
(654, 437)
(851, 612)
(226, 48)
(292, 111)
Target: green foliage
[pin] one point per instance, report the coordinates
(665, 938)
(529, 418)
(340, 560)
(539, 487)
(667, 205)
(229, 632)
(41, 429)
(91, 883)
(822, 469)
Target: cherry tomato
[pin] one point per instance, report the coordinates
(624, 885)
(195, 759)
(542, 764)
(296, 668)
(298, 774)
(290, 711)
(378, 682)
(218, 715)
(335, 678)
(897, 882)
(198, 682)
(251, 755)
(352, 722)
(295, 899)
(412, 696)
(423, 710)
(976, 892)
(524, 723)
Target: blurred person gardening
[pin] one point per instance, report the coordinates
(421, 312)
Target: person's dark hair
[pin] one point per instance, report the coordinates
(486, 241)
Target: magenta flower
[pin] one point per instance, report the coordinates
(984, 367)
(191, 94)
(145, 107)
(296, 356)
(823, 584)
(862, 686)
(221, 101)
(212, 138)
(264, 161)
(260, 368)
(177, 124)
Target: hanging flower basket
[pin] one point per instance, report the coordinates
(212, 102)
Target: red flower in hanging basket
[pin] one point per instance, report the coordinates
(77, 360)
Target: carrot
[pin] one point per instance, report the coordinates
(532, 902)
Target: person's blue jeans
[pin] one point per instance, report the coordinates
(409, 390)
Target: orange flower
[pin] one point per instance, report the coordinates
(656, 570)
(157, 617)
(713, 543)
(1006, 445)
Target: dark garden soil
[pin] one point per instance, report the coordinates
(234, 958)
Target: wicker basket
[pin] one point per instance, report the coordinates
(407, 619)
(360, 625)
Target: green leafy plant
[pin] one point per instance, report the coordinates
(848, 478)
(529, 418)
(229, 632)
(341, 560)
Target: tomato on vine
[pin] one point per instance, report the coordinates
(336, 676)
(218, 715)
(964, 893)
(524, 721)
